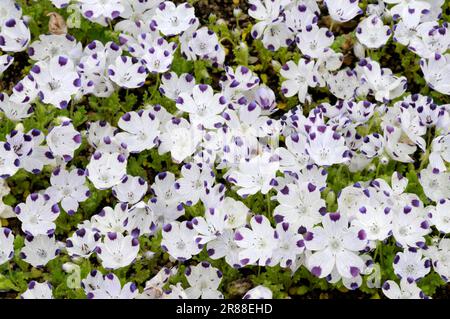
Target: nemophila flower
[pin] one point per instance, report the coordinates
(410, 225)
(178, 240)
(25, 91)
(6, 245)
(101, 11)
(6, 211)
(5, 62)
(27, 147)
(259, 292)
(440, 152)
(51, 45)
(106, 170)
(270, 26)
(68, 188)
(82, 243)
(313, 41)
(38, 214)
(158, 58)
(372, 32)
(38, 290)
(154, 287)
(171, 19)
(39, 250)
(111, 220)
(127, 72)
(98, 286)
(298, 78)
(440, 257)
(136, 13)
(130, 190)
(193, 182)
(204, 281)
(166, 205)
(14, 35)
(297, 17)
(63, 140)
(179, 138)
(410, 11)
(173, 85)
(258, 243)
(294, 157)
(254, 175)
(343, 84)
(141, 130)
(433, 39)
(300, 204)
(406, 290)
(436, 71)
(411, 265)
(57, 80)
(290, 244)
(376, 221)
(440, 217)
(14, 111)
(97, 131)
(185, 39)
(117, 251)
(343, 10)
(10, 9)
(141, 220)
(326, 146)
(435, 184)
(383, 84)
(335, 245)
(205, 44)
(203, 106)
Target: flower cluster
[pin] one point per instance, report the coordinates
(323, 186)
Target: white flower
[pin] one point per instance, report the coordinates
(127, 72)
(141, 130)
(372, 32)
(50, 45)
(173, 85)
(173, 20)
(290, 244)
(436, 72)
(259, 292)
(39, 250)
(57, 80)
(111, 220)
(411, 265)
(405, 290)
(313, 41)
(5, 62)
(203, 106)
(101, 10)
(300, 205)
(440, 257)
(440, 216)
(38, 214)
(6, 245)
(14, 35)
(375, 220)
(106, 170)
(178, 239)
(258, 243)
(63, 140)
(131, 189)
(69, 188)
(82, 243)
(343, 10)
(298, 78)
(204, 281)
(435, 184)
(14, 111)
(117, 251)
(335, 245)
(38, 291)
(195, 179)
(98, 286)
(256, 175)
(326, 146)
